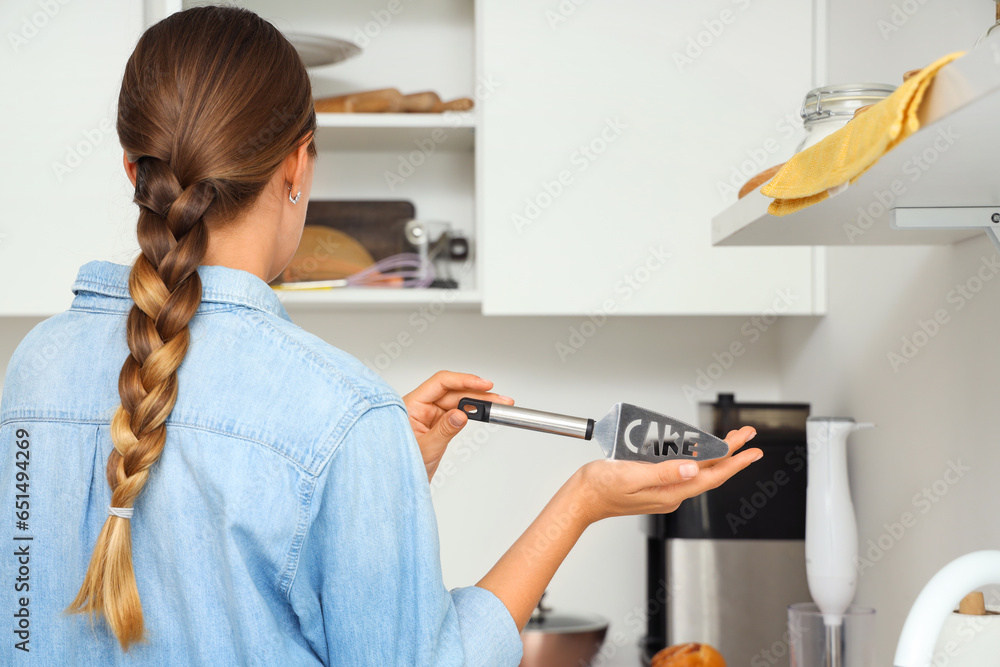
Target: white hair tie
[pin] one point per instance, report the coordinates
(123, 512)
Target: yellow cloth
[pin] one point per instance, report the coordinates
(850, 151)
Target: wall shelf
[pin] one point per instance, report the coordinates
(396, 132)
(949, 165)
(381, 297)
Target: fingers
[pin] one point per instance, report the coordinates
(707, 478)
(639, 475)
(444, 430)
(735, 439)
(445, 383)
(451, 399)
(711, 478)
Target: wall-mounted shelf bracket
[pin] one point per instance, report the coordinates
(950, 217)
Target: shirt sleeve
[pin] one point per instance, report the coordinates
(368, 588)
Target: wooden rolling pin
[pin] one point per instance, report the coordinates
(390, 100)
(420, 102)
(457, 104)
(372, 101)
(429, 102)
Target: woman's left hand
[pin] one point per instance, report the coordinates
(434, 414)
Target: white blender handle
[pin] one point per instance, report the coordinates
(937, 600)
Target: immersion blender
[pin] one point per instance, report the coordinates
(831, 530)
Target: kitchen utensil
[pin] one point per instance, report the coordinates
(403, 270)
(325, 253)
(390, 100)
(369, 101)
(831, 529)
(378, 225)
(457, 104)
(738, 547)
(807, 636)
(829, 108)
(318, 50)
(931, 610)
(561, 640)
(420, 102)
(626, 432)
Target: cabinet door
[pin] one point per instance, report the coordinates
(67, 199)
(613, 131)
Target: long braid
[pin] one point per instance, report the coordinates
(166, 288)
(213, 102)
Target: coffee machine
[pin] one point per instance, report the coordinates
(725, 565)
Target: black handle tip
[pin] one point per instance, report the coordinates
(475, 410)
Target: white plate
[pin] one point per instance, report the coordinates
(318, 50)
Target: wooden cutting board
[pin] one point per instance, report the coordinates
(325, 254)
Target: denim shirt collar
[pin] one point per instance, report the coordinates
(220, 284)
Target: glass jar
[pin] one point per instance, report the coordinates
(993, 28)
(829, 108)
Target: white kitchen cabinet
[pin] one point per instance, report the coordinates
(65, 200)
(428, 159)
(585, 111)
(60, 218)
(611, 139)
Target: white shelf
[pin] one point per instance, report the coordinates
(427, 132)
(381, 297)
(950, 163)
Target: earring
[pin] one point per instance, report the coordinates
(296, 199)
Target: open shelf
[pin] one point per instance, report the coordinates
(381, 297)
(939, 186)
(425, 132)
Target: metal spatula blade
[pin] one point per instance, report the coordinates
(626, 432)
(631, 433)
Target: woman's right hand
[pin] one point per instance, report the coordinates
(607, 488)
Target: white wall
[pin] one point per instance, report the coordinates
(934, 409)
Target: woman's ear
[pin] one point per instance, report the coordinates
(298, 163)
(130, 168)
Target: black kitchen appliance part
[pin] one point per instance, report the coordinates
(756, 516)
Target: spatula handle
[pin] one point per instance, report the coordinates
(533, 420)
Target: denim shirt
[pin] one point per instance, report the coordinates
(288, 520)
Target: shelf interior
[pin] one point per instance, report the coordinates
(404, 133)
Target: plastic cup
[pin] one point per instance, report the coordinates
(814, 644)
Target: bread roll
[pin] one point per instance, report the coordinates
(688, 655)
(759, 180)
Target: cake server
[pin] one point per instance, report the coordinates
(626, 432)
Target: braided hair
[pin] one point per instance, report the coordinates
(213, 99)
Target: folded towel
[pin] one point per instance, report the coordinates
(850, 151)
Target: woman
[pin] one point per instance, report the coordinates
(238, 491)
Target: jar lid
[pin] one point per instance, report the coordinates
(842, 100)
